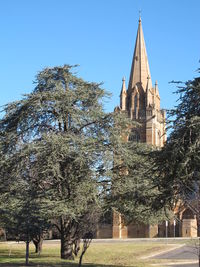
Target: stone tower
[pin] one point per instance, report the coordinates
(141, 101)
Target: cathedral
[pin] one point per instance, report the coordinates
(141, 101)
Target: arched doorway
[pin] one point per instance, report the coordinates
(189, 223)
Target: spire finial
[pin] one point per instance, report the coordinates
(156, 86)
(123, 95)
(140, 11)
(123, 86)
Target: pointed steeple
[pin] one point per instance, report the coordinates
(123, 95)
(156, 88)
(147, 91)
(123, 86)
(140, 66)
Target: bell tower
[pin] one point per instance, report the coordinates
(142, 101)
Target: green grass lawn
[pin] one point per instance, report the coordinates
(98, 254)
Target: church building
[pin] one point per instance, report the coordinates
(141, 101)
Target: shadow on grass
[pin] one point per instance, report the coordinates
(9, 261)
(4, 254)
(41, 264)
(65, 264)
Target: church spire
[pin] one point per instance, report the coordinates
(123, 95)
(123, 86)
(140, 66)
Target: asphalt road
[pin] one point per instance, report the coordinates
(186, 265)
(187, 253)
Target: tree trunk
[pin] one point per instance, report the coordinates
(198, 250)
(198, 223)
(66, 251)
(198, 209)
(66, 248)
(80, 260)
(76, 246)
(38, 244)
(27, 252)
(86, 244)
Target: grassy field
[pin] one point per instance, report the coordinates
(98, 255)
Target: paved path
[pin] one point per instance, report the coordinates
(186, 253)
(186, 265)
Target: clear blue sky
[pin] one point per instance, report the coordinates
(99, 35)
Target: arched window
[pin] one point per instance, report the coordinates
(188, 214)
(134, 136)
(135, 102)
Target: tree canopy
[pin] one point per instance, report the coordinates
(56, 150)
(63, 160)
(177, 165)
(52, 140)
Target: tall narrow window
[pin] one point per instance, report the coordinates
(135, 102)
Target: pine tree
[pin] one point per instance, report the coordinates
(58, 141)
(62, 156)
(177, 165)
(133, 190)
(23, 207)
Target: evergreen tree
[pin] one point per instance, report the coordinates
(58, 140)
(23, 207)
(177, 165)
(132, 188)
(62, 156)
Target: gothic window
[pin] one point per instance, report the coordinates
(188, 214)
(134, 136)
(135, 102)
